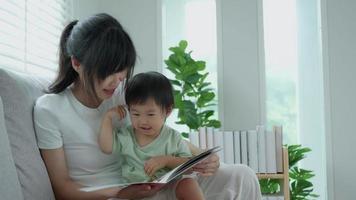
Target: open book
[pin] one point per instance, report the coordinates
(168, 177)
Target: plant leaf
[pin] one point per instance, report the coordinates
(185, 135)
(183, 45)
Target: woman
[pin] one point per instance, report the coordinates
(96, 57)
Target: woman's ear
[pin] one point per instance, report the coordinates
(75, 64)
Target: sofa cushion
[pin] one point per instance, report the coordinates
(9, 182)
(18, 93)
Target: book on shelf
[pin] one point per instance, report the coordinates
(202, 137)
(279, 147)
(237, 148)
(219, 141)
(271, 163)
(261, 137)
(244, 147)
(167, 178)
(209, 137)
(194, 138)
(228, 147)
(252, 146)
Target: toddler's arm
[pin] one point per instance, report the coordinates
(106, 128)
(158, 162)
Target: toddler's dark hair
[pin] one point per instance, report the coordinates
(150, 85)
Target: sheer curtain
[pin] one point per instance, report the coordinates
(294, 79)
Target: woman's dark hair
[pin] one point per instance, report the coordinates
(150, 85)
(100, 45)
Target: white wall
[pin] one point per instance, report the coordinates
(239, 63)
(84, 8)
(339, 47)
(139, 18)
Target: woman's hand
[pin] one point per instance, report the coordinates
(209, 166)
(138, 191)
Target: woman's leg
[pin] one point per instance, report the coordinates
(188, 188)
(231, 182)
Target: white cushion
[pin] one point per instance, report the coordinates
(9, 182)
(18, 93)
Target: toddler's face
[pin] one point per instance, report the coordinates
(147, 118)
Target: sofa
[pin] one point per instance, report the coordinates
(23, 173)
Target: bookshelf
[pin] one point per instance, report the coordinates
(244, 147)
(283, 177)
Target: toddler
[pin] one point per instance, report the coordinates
(148, 147)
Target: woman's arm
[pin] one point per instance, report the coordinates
(64, 187)
(158, 162)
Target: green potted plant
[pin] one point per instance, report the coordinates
(192, 95)
(301, 188)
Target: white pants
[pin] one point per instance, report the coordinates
(230, 182)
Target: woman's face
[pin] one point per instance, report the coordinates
(105, 88)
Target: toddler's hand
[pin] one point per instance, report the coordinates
(118, 111)
(121, 112)
(154, 164)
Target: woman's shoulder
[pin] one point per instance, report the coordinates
(49, 97)
(51, 100)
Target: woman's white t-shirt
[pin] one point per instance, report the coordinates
(61, 121)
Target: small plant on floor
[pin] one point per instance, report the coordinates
(192, 95)
(300, 187)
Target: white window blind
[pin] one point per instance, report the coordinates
(30, 33)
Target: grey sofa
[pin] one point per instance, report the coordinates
(23, 174)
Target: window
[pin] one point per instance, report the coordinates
(294, 79)
(30, 33)
(186, 20)
(280, 36)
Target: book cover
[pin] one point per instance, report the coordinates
(237, 147)
(194, 138)
(244, 147)
(209, 137)
(252, 149)
(228, 147)
(271, 152)
(261, 137)
(202, 137)
(279, 147)
(219, 141)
